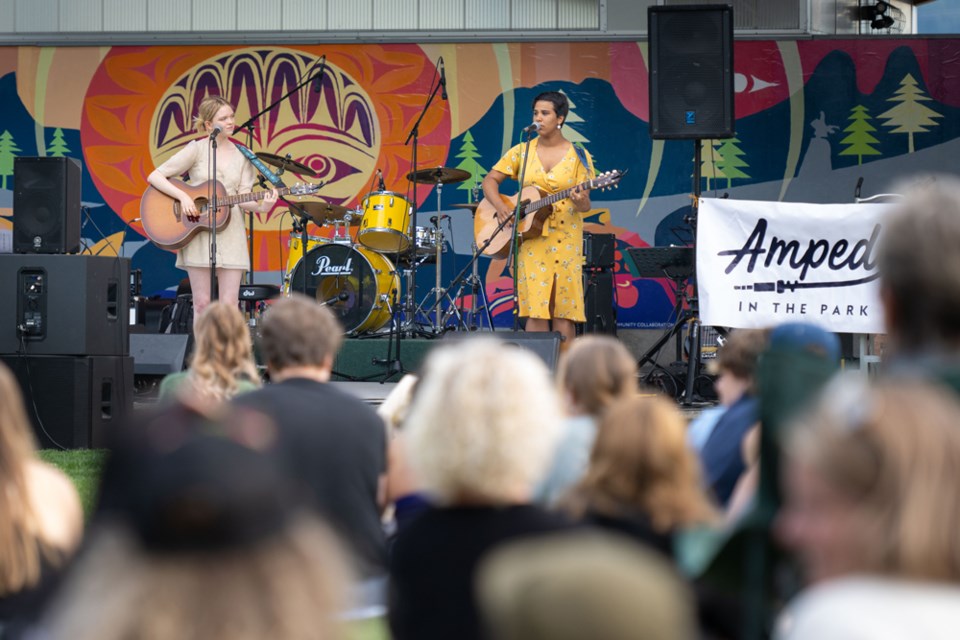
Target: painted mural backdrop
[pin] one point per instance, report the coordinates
(813, 117)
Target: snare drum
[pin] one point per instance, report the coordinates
(386, 218)
(428, 238)
(294, 254)
(355, 283)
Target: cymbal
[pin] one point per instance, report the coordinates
(287, 164)
(471, 206)
(322, 212)
(438, 175)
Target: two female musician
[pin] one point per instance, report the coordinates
(549, 283)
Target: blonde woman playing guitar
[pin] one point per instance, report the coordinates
(549, 282)
(237, 176)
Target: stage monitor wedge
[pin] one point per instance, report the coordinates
(691, 72)
(46, 205)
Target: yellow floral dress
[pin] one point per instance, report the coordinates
(555, 257)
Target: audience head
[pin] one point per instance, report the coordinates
(583, 586)
(596, 371)
(483, 423)
(20, 552)
(299, 332)
(736, 363)
(641, 461)
(222, 352)
(204, 538)
(919, 264)
(870, 482)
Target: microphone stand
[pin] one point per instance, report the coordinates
(515, 240)
(212, 213)
(412, 231)
(250, 125)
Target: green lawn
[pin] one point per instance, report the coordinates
(83, 466)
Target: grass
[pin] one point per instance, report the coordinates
(83, 466)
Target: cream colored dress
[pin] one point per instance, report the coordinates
(237, 177)
(555, 258)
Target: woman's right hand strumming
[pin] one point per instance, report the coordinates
(188, 207)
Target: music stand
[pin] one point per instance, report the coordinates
(675, 263)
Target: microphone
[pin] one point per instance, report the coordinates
(435, 219)
(856, 191)
(318, 79)
(534, 126)
(443, 80)
(216, 131)
(380, 184)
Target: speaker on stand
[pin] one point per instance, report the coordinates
(691, 98)
(46, 205)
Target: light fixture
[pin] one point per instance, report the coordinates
(877, 15)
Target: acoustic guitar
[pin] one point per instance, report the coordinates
(168, 228)
(535, 206)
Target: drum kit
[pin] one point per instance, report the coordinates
(360, 279)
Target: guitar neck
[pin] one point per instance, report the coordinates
(556, 197)
(229, 201)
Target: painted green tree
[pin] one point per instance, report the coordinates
(731, 161)
(468, 162)
(910, 116)
(58, 146)
(858, 141)
(8, 151)
(571, 133)
(709, 167)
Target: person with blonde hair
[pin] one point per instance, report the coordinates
(479, 438)
(222, 362)
(41, 519)
(594, 373)
(215, 117)
(643, 481)
(872, 515)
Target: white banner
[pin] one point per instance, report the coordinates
(760, 264)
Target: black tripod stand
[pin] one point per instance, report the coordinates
(678, 264)
(675, 263)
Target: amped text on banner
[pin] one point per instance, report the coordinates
(760, 264)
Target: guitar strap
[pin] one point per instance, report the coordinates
(260, 165)
(582, 155)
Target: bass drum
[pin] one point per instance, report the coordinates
(356, 284)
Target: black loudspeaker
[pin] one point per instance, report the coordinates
(543, 344)
(73, 401)
(691, 72)
(599, 304)
(64, 305)
(599, 250)
(46, 205)
(157, 354)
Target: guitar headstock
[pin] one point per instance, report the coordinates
(608, 179)
(304, 189)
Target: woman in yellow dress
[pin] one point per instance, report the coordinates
(549, 280)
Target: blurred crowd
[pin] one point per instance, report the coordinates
(488, 497)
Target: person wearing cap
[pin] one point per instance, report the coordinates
(332, 441)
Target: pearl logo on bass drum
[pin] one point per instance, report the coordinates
(325, 268)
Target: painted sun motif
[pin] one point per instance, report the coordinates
(140, 104)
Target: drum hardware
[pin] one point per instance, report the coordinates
(254, 297)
